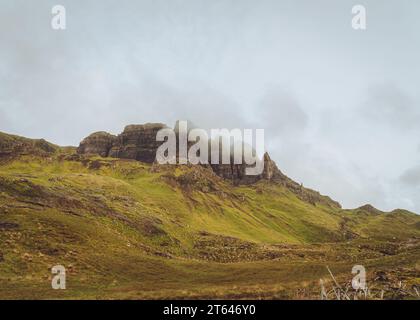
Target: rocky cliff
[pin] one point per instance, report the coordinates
(236, 172)
(97, 143)
(138, 142)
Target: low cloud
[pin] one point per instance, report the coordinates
(392, 106)
(280, 113)
(411, 177)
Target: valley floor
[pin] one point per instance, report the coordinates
(394, 276)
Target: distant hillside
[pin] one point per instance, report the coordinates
(12, 146)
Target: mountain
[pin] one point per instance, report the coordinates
(127, 227)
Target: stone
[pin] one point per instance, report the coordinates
(97, 143)
(270, 168)
(13, 146)
(137, 142)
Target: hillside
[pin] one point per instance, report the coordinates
(130, 229)
(12, 146)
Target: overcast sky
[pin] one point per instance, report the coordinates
(341, 108)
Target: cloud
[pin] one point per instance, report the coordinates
(392, 106)
(63, 85)
(406, 189)
(280, 113)
(4, 121)
(411, 177)
(146, 98)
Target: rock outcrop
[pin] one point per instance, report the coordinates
(270, 168)
(137, 142)
(12, 146)
(97, 143)
(237, 172)
(234, 172)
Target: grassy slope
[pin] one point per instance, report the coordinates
(125, 230)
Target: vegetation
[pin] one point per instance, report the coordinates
(128, 230)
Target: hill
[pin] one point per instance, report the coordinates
(124, 228)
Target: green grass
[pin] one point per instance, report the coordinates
(126, 230)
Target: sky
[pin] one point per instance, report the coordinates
(340, 107)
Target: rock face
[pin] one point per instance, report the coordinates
(97, 143)
(237, 174)
(137, 142)
(233, 172)
(270, 168)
